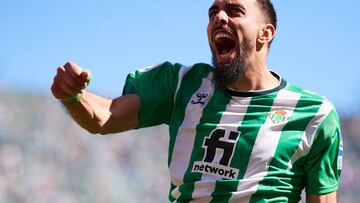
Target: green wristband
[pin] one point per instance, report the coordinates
(77, 97)
(73, 99)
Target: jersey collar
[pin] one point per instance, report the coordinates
(281, 84)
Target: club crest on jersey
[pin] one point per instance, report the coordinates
(279, 116)
(219, 150)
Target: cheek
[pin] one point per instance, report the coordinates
(209, 34)
(249, 35)
(208, 30)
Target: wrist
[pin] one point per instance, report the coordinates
(72, 99)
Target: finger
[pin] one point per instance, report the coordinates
(65, 76)
(86, 76)
(58, 92)
(74, 71)
(60, 83)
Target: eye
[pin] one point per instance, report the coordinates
(235, 12)
(212, 14)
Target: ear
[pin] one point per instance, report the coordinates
(266, 34)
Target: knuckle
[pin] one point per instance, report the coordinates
(69, 65)
(57, 80)
(60, 70)
(52, 88)
(55, 91)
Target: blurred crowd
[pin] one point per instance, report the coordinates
(46, 158)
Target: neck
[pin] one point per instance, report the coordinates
(256, 76)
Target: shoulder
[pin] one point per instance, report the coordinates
(309, 98)
(324, 117)
(180, 71)
(322, 108)
(177, 67)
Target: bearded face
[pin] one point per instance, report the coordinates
(233, 30)
(231, 71)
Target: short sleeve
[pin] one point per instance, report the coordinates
(324, 161)
(156, 86)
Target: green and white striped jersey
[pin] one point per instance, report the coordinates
(232, 146)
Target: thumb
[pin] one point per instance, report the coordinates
(86, 76)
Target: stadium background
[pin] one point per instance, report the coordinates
(46, 157)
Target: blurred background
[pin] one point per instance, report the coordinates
(46, 157)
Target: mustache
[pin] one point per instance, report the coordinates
(224, 27)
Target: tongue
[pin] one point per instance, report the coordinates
(224, 51)
(225, 44)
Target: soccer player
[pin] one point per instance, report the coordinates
(238, 131)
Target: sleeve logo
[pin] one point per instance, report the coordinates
(200, 98)
(340, 153)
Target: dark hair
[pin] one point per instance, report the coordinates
(269, 10)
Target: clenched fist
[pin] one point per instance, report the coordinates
(69, 82)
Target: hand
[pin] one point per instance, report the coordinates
(69, 81)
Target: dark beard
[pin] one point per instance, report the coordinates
(230, 72)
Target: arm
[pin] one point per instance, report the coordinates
(99, 115)
(324, 161)
(92, 112)
(325, 198)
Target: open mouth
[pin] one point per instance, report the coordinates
(224, 42)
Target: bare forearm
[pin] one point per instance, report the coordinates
(91, 112)
(325, 198)
(100, 115)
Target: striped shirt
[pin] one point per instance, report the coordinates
(232, 146)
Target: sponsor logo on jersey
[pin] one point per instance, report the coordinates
(201, 96)
(279, 116)
(219, 150)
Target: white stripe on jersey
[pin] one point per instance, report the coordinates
(264, 148)
(182, 72)
(230, 120)
(186, 134)
(309, 133)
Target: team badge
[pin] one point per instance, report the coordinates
(279, 116)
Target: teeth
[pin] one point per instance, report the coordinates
(222, 35)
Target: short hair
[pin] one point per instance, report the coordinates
(269, 11)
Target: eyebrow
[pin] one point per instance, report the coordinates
(213, 7)
(235, 5)
(227, 6)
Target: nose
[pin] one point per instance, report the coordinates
(221, 18)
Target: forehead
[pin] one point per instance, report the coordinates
(244, 3)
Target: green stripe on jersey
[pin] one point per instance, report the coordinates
(190, 83)
(249, 128)
(323, 157)
(157, 103)
(182, 137)
(172, 187)
(285, 184)
(264, 147)
(244, 147)
(209, 120)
